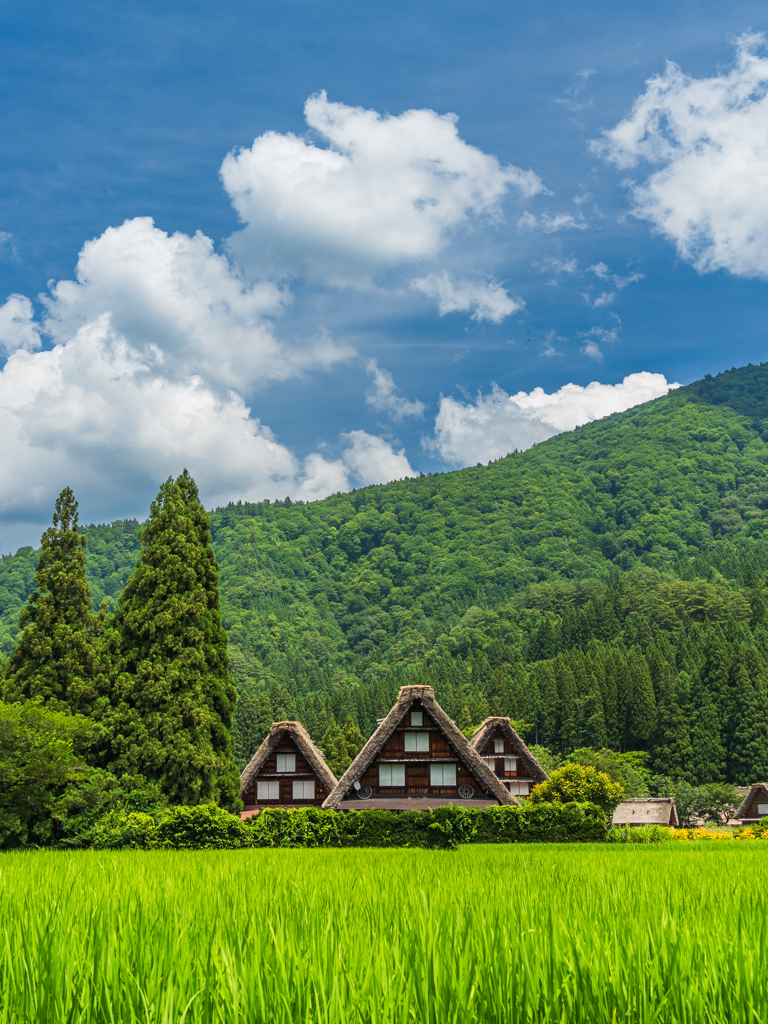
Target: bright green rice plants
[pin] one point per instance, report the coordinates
(514, 934)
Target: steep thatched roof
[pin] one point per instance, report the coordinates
(754, 790)
(483, 732)
(456, 740)
(647, 810)
(300, 737)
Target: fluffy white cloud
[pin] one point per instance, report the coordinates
(372, 460)
(17, 325)
(182, 307)
(708, 137)
(383, 398)
(383, 189)
(497, 423)
(487, 299)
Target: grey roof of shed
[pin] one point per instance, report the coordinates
(742, 811)
(483, 731)
(456, 739)
(301, 738)
(647, 810)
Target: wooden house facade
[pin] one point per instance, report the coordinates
(286, 770)
(754, 805)
(507, 756)
(417, 758)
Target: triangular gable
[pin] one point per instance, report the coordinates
(754, 791)
(301, 738)
(457, 741)
(486, 730)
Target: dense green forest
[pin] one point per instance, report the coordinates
(604, 588)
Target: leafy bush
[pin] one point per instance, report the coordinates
(124, 830)
(580, 784)
(639, 834)
(205, 827)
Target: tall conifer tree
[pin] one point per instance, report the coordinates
(55, 657)
(672, 742)
(748, 746)
(175, 695)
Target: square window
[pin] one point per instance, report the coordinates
(304, 790)
(286, 762)
(391, 774)
(418, 741)
(442, 775)
(498, 746)
(762, 809)
(519, 788)
(268, 791)
(510, 764)
(417, 718)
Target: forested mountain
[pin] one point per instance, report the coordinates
(606, 588)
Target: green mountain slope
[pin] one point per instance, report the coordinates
(642, 532)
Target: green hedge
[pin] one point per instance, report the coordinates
(210, 828)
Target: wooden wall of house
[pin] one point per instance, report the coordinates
(752, 811)
(285, 745)
(487, 751)
(417, 764)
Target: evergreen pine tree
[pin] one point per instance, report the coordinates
(748, 739)
(56, 656)
(672, 750)
(549, 703)
(252, 721)
(708, 751)
(641, 710)
(568, 719)
(174, 694)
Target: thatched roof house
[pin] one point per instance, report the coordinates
(287, 769)
(647, 810)
(754, 806)
(507, 756)
(417, 758)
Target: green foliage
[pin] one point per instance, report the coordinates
(638, 834)
(341, 746)
(208, 827)
(40, 756)
(55, 658)
(581, 784)
(628, 769)
(714, 801)
(173, 695)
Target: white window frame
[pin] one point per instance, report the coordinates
(498, 746)
(267, 790)
(519, 787)
(442, 775)
(762, 809)
(391, 775)
(417, 742)
(283, 760)
(417, 718)
(303, 789)
(510, 764)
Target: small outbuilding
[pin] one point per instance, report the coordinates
(418, 758)
(286, 770)
(754, 806)
(647, 810)
(507, 756)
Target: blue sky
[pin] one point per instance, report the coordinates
(369, 286)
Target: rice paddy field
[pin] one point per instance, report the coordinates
(665, 932)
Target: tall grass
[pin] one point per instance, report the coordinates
(509, 934)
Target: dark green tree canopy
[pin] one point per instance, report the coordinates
(55, 658)
(174, 695)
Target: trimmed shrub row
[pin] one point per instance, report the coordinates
(209, 828)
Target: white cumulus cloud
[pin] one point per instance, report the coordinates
(383, 396)
(498, 423)
(17, 324)
(382, 189)
(487, 299)
(707, 139)
(372, 460)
